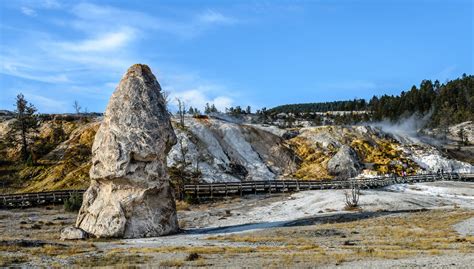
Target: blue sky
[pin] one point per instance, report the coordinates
(258, 53)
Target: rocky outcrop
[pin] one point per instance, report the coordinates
(130, 195)
(345, 163)
(226, 151)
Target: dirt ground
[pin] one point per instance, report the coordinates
(420, 225)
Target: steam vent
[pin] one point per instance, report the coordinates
(130, 195)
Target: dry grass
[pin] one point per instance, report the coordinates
(172, 263)
(192, 249)
(387, 237)
(111, 259)
(12, 260)
(249, 239)
(182, 205)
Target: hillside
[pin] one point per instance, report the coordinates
(215, 150)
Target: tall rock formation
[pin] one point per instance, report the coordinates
(130, 195)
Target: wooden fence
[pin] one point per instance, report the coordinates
(210, 190)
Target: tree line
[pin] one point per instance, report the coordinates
(447, 104)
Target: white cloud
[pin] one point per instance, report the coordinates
(198, 99)
(211, 16)
(106, 42)
(196, 91)
(105, 18)
(28, 11)
(221, 102)
(44, 103)
(105, 49)
(26, 72)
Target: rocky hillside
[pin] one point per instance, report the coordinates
(216, 150)
(63, 151)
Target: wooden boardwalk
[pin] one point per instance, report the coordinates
(211, 190)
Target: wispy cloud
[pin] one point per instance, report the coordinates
(44, 103)
(105, 42)
(28, 11)
(27, 72)
(211, 16)
(101, 42)
(198, 99)
(105, 18)
(196, 91)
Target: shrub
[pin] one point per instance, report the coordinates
(352, 196)
(190, 199)
(193, 256)
(73, 203)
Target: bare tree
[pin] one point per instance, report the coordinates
(77, 107)
(181, 111)
(352, 196)
(166, 97)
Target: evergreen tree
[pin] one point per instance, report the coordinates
(214, 109)
(207, 109)
(25, 127)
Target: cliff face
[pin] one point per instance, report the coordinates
(224, 151)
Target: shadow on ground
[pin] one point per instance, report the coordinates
(334, 218)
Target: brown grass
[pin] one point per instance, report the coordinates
(182, 205)
(389, 237)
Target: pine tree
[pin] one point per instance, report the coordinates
(24, 128)
(207, 109)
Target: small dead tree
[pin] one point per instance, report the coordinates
(352, 196)
(77, 107)
(181, 111)
(166, 97)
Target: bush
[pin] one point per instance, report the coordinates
(73, 203)
(190, 199)
(352, 196)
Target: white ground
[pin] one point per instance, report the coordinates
(257, 214)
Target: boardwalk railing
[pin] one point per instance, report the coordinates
(210, 190)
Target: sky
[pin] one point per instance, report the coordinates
(257, 53)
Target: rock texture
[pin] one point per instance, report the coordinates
(345, 163)
(130, 195)
(72, 233)
(231, 152)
